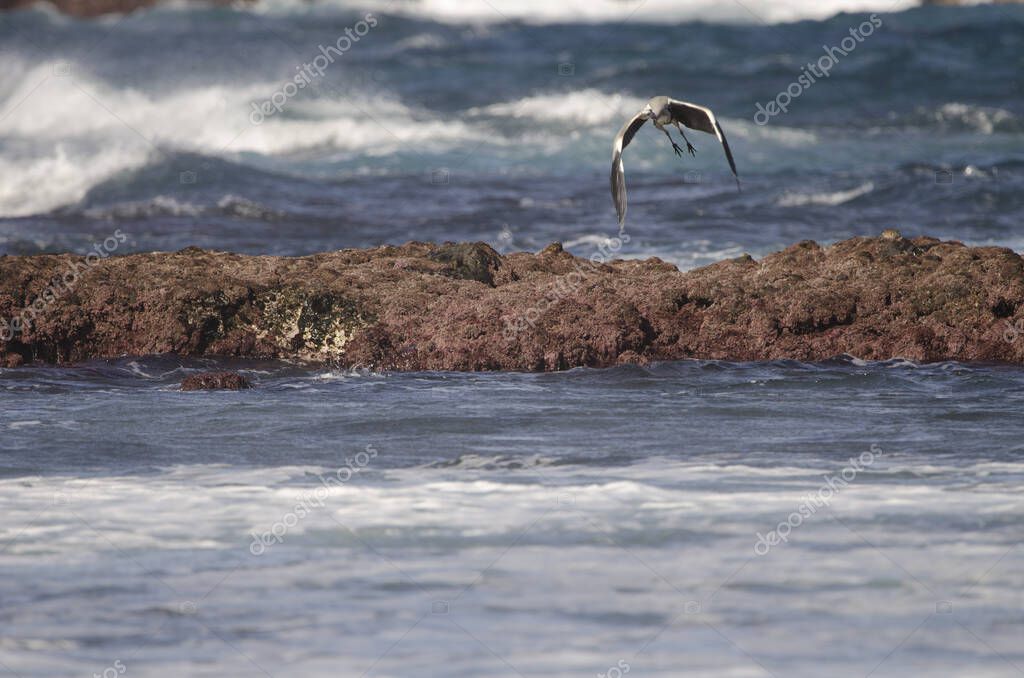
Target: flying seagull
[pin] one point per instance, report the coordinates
(663, 111)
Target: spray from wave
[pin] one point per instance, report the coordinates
(599, 11)
(64, 134)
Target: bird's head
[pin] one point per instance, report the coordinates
(648, 112)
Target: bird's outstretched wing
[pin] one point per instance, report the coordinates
(703, 120)
(618, 177)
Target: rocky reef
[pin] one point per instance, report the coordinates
(465, 307)
(215, 381)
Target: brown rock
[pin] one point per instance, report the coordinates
(210, 381)
(468, 261)
(464, 307)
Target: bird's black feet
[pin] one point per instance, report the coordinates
(690, 148)
(678, 149)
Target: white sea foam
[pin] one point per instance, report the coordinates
(515, 555)
(421, 41)
(588, 107)
(831, 198)
(982, 119)
(592, 239)
(65, 135)
(159, 205)
(466, 498)
(544, 11)
(48, 178)
(18, 425)
(238, 206)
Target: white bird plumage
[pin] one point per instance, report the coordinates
(663, 111)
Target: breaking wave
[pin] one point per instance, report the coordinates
(960, 117)
(826, 198)
(586, 107)
(62, 136)
(597, 11)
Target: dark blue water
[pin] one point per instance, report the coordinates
(354, 523)
(435, 130)
(302, 416)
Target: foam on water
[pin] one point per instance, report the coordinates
(65, 135)
(971, 117)
(514, 554)
(832, 198)
(478, 498)
(586, 107)
(656, 11)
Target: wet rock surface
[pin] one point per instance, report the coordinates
(465, 307)
(215, 381)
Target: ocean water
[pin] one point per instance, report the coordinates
(693, 518)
